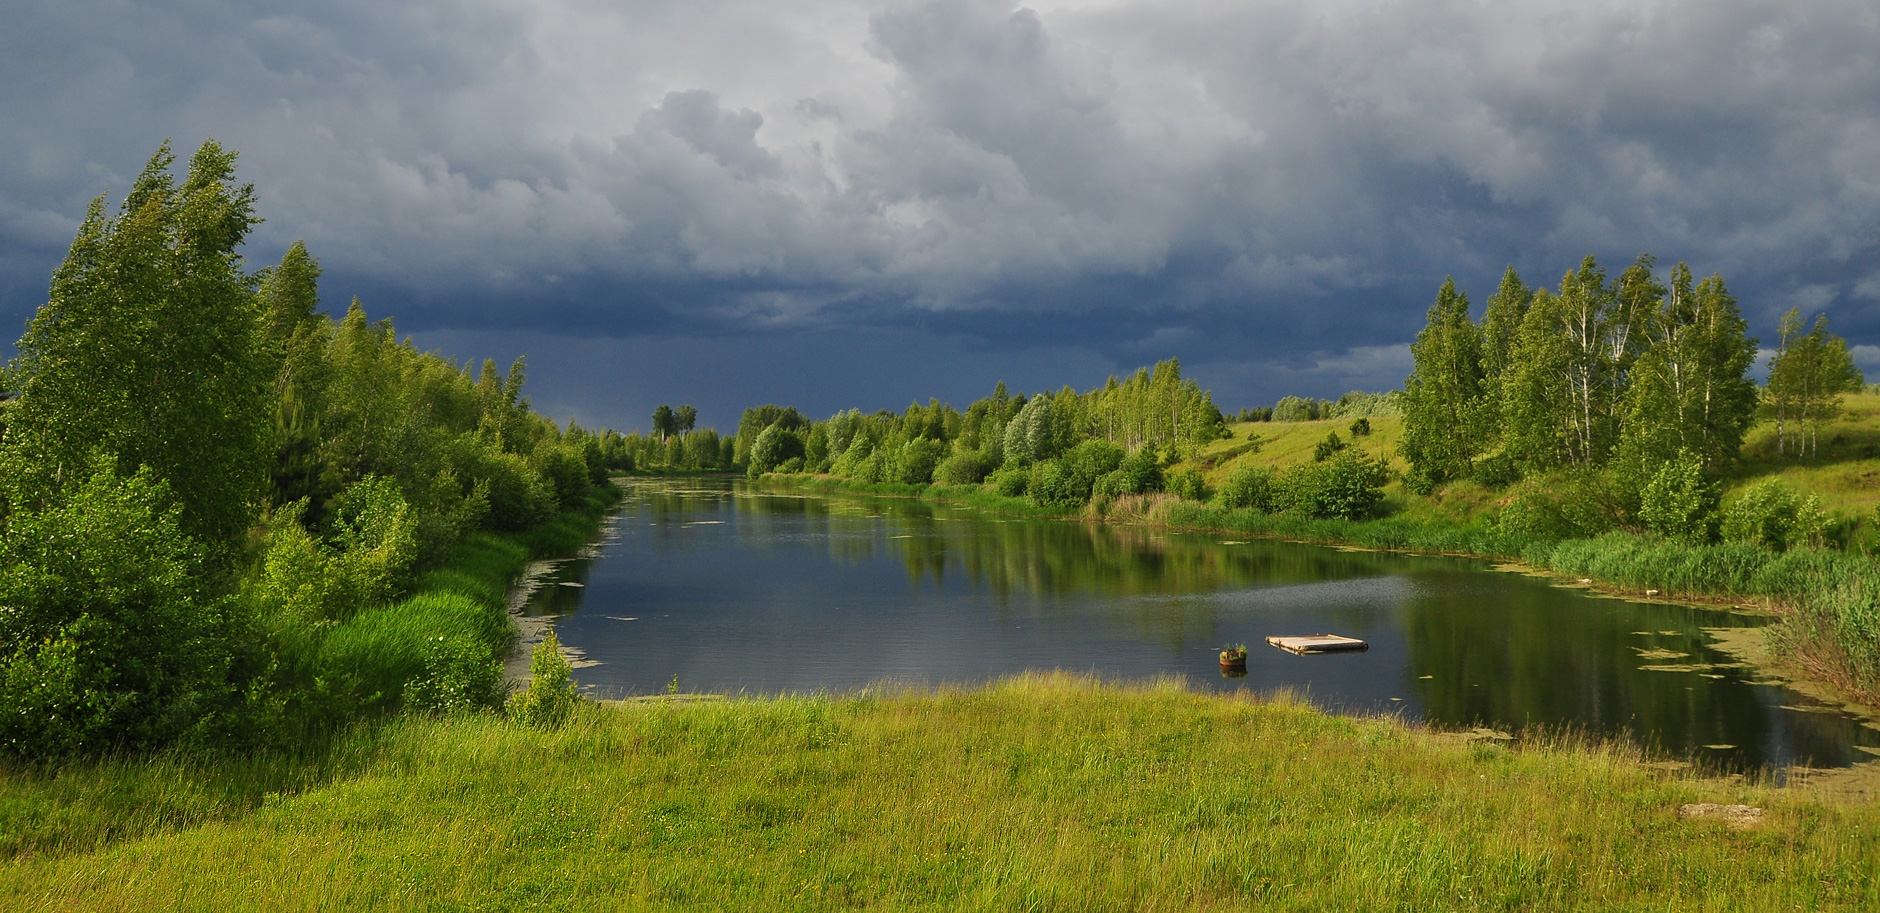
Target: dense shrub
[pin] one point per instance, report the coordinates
(964, 467)
(565, 469)
(1325, 449)
(1774, 516)
(1534, 514)
(1679, 503)
(1188, 485)
(111, 632)
(517, 496)
(1496, 471)
(1250, 487)
(1010, 481)
(1348, 486)
(1591, 501)
(1056, 483)
(914, 462)
(459, 674)
(849, 464)
(774, 445)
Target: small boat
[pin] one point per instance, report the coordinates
(1316, 643)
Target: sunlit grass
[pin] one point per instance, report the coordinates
(1043, 792)
(1285, 444)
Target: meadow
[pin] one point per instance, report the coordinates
(1042, 792)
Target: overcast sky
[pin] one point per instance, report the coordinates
(833, 204)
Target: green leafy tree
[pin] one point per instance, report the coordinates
(685, 419)
(775, 446)
(1501, 327)
(296, 336)
(1028, 436)
(1807, 376)
(664, 424)
(1534, 389)
(149, 349)
(1690, 390)
(1444, 403)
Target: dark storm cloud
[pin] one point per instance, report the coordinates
(1270, 190)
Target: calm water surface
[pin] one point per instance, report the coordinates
(735, 589)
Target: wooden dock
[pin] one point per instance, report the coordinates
(1317, 643)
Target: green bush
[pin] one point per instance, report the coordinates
(1533, 514)
(1591, 501)
(1324, 449)
(774, 445)
(1679, 503)
(1094, 458)
(914, 462)
(1010, 481)
(111, 635)
(518, 496)
(1251, 487)
(1057, 483)
(964, 467)
(1497, 471)
(1348, 486)
(459, 674)
(565, 468)
(1774, 516)
(848, 464)
(549, 700)
(1188, 485)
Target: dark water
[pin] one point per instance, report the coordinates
(732, 589)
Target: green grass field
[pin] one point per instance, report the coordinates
(1044, 792)
(1844, 474)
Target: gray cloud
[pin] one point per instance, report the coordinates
(1270, 189)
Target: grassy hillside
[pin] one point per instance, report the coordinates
(1045, 792)
(1845, 475)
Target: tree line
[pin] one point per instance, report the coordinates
(1073, 442)
(1639, 386)
(214, 496)
(675, 444)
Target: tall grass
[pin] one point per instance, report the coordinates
(1043, 792)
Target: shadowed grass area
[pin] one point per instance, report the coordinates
(1046, 792)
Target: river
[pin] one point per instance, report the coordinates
(729, 588)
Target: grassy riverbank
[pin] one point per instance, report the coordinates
(53, 810)
(1042, 792)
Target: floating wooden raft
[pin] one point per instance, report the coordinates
(1317, 643)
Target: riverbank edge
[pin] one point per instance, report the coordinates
(1783, 653)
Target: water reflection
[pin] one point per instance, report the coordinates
(734, 589)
